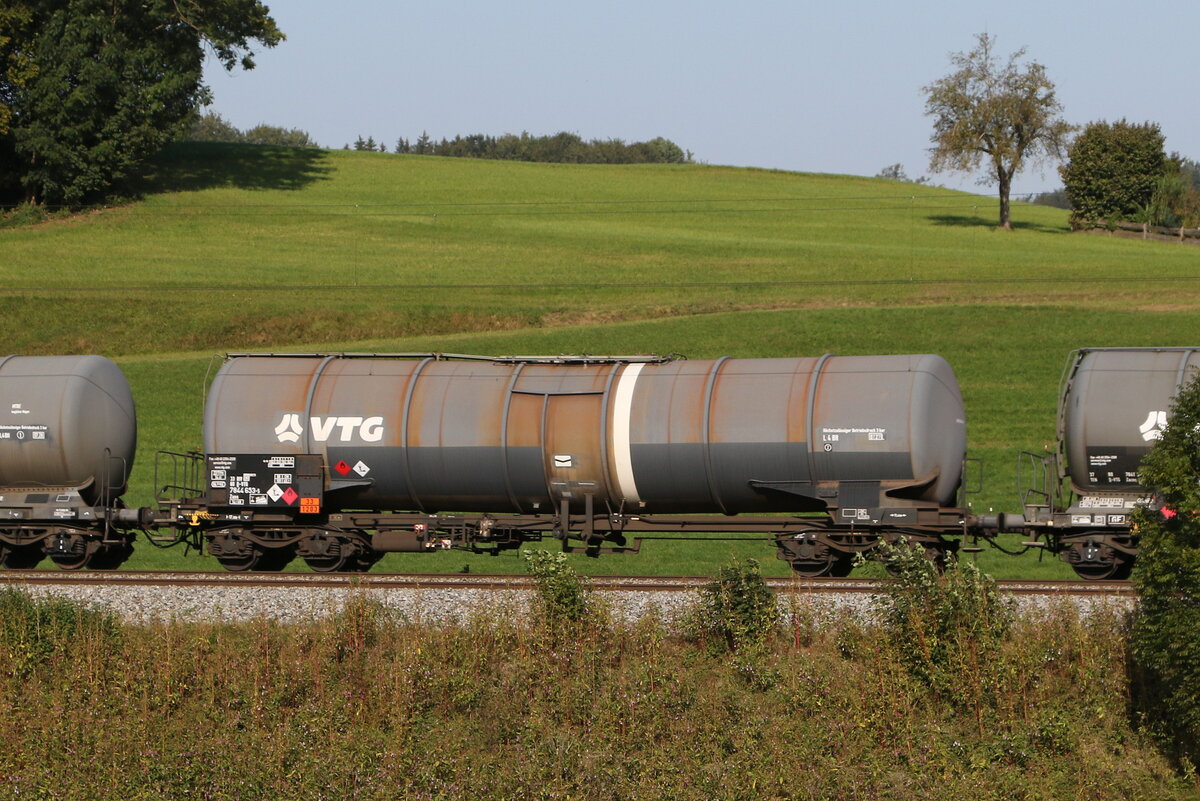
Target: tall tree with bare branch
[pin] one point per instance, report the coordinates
(999, 115)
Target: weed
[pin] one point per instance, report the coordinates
(737, 611)
(363, 705)
(562, 594)
(38, 632)
(946, 625)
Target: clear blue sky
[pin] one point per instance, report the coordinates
(817, 87)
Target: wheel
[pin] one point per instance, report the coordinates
(1095, 560)
(234, 552)
(842, 567)
(325, 554)
(238, 563)
(811, 557)
(72, 562)
(937, 554)
(70, 550)
(328, 563)
(364, 561)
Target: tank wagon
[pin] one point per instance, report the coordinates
(339, 458)
(1113, 406)
(68, 431)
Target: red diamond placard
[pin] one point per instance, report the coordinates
(342, 467)
(290, 495)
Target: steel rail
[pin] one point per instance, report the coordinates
(476, 581)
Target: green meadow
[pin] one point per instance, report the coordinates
(249, 248)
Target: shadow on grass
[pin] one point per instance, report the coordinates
(192, 166)
(968, 221)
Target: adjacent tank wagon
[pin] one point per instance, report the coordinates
(68, 431)
(1113, 406)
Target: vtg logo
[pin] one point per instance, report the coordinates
(1154, 425)
(368, 429)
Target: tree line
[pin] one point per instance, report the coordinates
(212, 127)
(561, 148)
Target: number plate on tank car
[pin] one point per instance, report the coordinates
(249, 481)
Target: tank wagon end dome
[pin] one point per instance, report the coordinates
(67, 422)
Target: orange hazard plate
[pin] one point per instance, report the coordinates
(310, 506)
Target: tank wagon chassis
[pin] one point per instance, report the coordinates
(58, 523)
(242, 540)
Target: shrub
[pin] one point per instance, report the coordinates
(946, 626)
(1166, 627)
(561, 592)
(1112, 171)
(737, 609)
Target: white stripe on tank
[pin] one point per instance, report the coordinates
(622, 419)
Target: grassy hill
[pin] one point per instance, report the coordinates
(242, 247)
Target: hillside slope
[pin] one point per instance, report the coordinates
(238, 246)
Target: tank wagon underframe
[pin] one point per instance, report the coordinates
(813, 545)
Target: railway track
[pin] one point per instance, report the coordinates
(443, 581)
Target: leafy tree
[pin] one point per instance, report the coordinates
(1001, 115)
(1190, 170)
(212, 127)
(277, 136)
(737, 609)
(562, 147)
(947, 625)
(109, 82)
(16, 66)
(1112, 171)
(1180, 190)
(663, 151)
(1166, 198)
(895, 172)
(562, 594)
(1166, 631)
(1057, 199)
(16, 69)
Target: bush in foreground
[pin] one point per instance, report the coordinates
(1166, 630)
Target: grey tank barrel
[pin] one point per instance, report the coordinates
(1114, 406)
(633, 434)
(66, 422)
